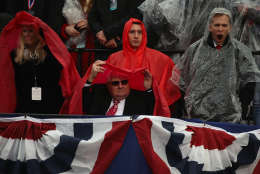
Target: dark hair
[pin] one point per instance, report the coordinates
(139, 23)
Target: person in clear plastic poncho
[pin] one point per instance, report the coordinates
(248, 32)
(178, 23)
(214, 70)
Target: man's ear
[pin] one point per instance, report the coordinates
(209, 28)
(230, 28)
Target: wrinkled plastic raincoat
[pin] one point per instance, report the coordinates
(179, 23)
(211, 78)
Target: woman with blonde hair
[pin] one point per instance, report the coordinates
(31, 46)
(38, 75)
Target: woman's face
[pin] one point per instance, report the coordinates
(30, 36)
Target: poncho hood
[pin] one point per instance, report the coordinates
(9, 41)
(134, 57)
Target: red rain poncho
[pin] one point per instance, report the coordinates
(159, 64)
(133, 62)
(9, 40)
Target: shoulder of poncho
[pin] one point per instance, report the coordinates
(156, 53)
(194, 46)
(245, 50)
(239, 44)
(118, 53)
(197, 43)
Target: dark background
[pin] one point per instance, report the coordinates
(50, 11)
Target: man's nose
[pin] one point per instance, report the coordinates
(220, 28)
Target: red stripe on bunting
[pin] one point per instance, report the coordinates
(257, 168)
(143, 132)
(210, 138)
(111, 145)
(25, 129)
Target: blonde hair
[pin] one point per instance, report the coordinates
(86, 5)
(24, 54)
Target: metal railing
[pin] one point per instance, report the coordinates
(82, 50)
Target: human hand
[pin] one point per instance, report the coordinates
(81, 25)
(96, 68)
(71, 31)
(111, 44)
(243, 8)
(101, 37)
(148, 80)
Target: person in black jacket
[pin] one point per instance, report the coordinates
(37, 91)
(47, 10)
(107, 19)
(100, 99)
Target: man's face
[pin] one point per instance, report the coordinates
(135, 36)
(220, 27)
(29, 36)
(118, 88)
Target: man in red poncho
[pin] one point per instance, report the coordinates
(9, 41)
(136, 55)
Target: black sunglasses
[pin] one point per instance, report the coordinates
(116, 83)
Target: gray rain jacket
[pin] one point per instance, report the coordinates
(211, 78)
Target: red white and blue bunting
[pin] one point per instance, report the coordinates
(146, 144)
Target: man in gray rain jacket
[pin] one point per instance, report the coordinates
(214, 70)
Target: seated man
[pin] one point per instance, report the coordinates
(115, 97)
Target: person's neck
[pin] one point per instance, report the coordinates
(119, 98)
(31, 47)
(218, 43)
(134, 49)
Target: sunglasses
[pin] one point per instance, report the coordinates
(116, 83)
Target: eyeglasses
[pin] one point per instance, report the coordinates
(116, 83)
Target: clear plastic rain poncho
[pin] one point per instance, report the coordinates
(212, 79)
(247, 24)
(179, 23)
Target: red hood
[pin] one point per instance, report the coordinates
(135, 57)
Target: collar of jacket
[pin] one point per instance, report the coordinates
(211, 43)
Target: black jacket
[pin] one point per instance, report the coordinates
(47, 76)
(112, 22)
(96, 101)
